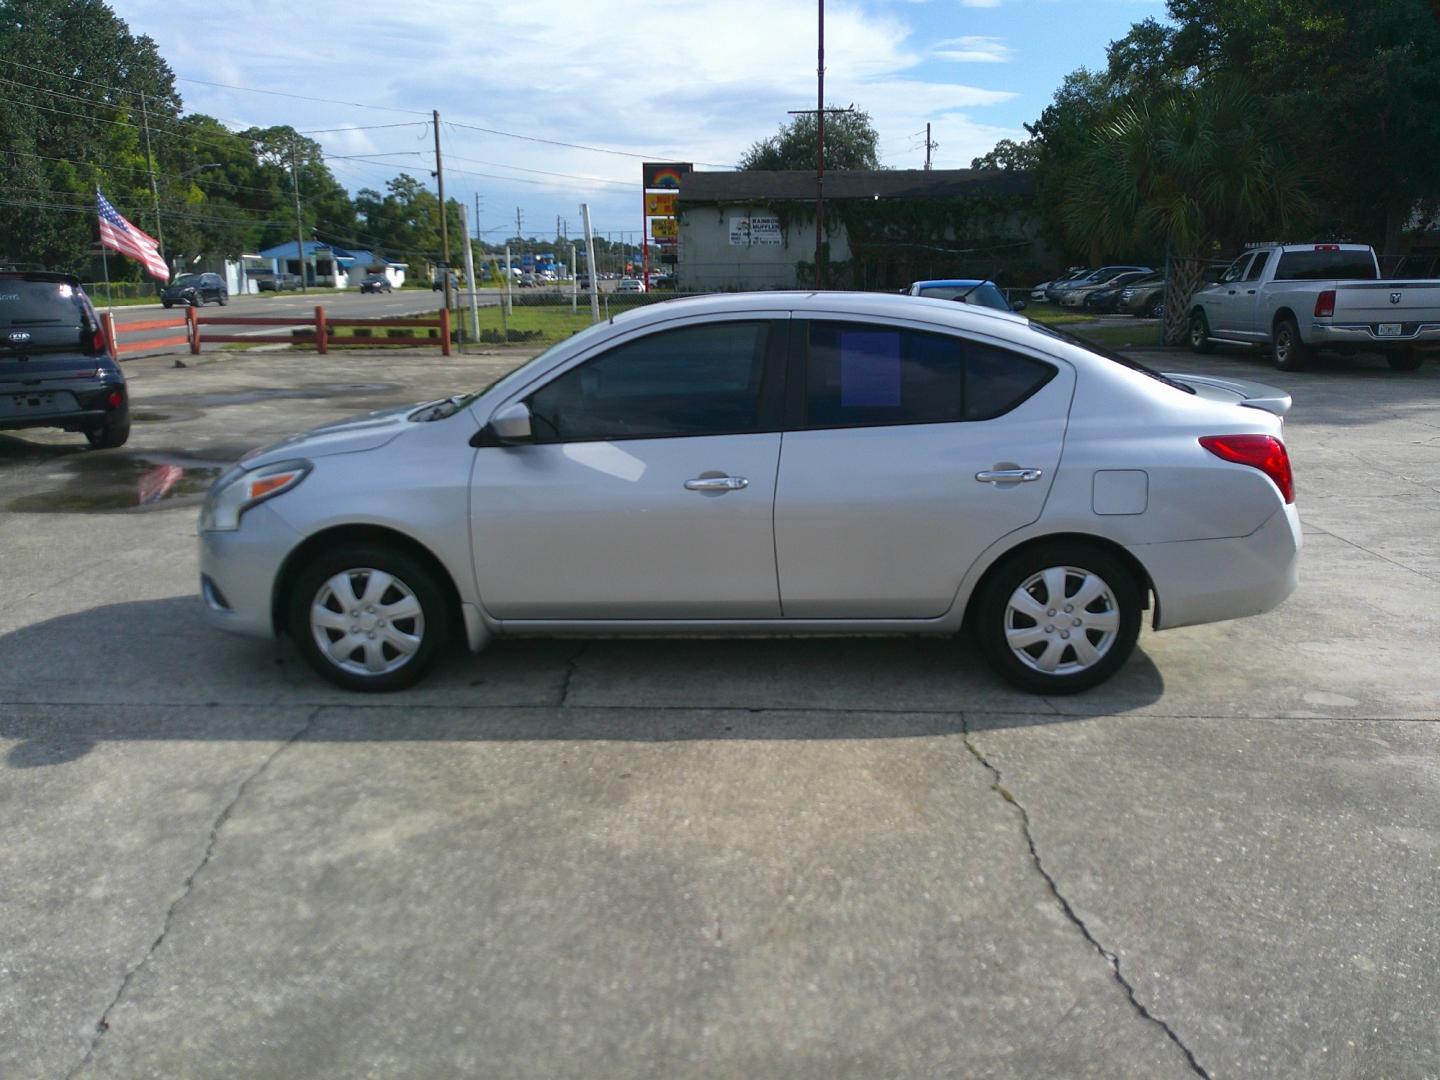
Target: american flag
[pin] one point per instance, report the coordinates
(117, 234)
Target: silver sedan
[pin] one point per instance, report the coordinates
(771, 463)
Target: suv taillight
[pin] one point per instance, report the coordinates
(98, 344)
(1263, 452)
(1325, 304)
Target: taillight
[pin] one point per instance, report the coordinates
(1325, 304)
(115, 400)
(1263, 452)
(98, 344)
(1327, 247)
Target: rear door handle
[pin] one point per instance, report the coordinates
(717, 483)
(1008, 476)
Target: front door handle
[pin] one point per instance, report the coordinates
(1008, 476)
(717, 483)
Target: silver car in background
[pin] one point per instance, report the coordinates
(802, 463)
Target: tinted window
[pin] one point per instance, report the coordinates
(986, 295)
(1236, 270)
(28, 302)
(864, 375)
(699, 380)
(1320, 265)
(1257, 267)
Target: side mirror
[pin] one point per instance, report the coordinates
(511, 424)
(1018, 305)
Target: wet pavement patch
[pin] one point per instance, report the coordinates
(272, 393)
(98, 483)
(174, 416)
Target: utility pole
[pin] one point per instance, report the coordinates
(299, 228)
(154, 188)
(519, 228)
(590, 263)
(444, 223)
(820, 157)
(928, 147)
(477, 215)
(470, 277)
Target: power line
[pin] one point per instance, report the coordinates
(578, 146)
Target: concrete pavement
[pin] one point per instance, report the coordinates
(623, 858)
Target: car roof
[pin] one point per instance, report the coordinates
(879, 305)
(41, 275)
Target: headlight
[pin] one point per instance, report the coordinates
(233, 494)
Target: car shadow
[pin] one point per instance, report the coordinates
(155, 670)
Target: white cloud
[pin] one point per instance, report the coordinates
(973, 49)
(980, 3)
(699, 81)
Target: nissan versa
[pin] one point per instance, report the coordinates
(771, 464)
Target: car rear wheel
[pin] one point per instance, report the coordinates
(369, 617)
(1200, 333)
(112, 432)
(1291, 354)
(1405, 360)
(1058, 618)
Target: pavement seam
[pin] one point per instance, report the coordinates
(102, 1026)
(571, 664)
(1361, 547)
(997, 785)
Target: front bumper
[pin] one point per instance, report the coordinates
(1364, 335)
(1201, 581)
(238, 571)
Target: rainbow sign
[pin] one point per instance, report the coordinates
(665, 175)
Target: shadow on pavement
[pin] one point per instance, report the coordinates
(156, 670)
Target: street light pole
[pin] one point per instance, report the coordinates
(820, 157)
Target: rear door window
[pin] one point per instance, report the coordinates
(866, 375)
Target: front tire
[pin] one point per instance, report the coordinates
(369, 617)
(1291, 354)
(1200, 333)
(223, 299)
(1058, 618)
(1405, 360)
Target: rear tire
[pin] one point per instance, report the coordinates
(1030, 637)
(1291, 354)
(1156, 309)
(341, 587)
(1405, 360)
(112, 432)
(1200, 333)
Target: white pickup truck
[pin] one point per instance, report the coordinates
(1296, 298)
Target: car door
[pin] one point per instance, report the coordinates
(649, 490)
(911, 450)
(1223, 302)
(1246, 300)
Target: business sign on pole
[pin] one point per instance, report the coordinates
(664, 228)
(754, 230)
(661, 204)
(665, 175)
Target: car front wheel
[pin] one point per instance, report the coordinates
(369, 617)
(1058, 619)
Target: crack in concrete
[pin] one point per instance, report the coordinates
(997, 785)
(571, 665)
(1361, 547)
(102, 1026)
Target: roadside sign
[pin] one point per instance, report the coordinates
(660, 204)
(665, 228)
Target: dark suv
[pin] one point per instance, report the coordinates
(56, 369)
(195, 289)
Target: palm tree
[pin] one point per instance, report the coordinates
(1199, 170)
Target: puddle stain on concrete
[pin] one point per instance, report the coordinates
(271, 393)
(123, 482)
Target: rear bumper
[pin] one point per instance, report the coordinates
(1200, 581)
(91, 403)
(1363, 334)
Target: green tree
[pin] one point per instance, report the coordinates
(1193, 173)
(1009, 155)
(851, 142)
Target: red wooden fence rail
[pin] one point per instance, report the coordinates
(320, 323)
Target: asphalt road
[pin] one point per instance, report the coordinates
(807, 858)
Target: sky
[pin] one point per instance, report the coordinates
(681, 80)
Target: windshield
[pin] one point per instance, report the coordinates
(1113, 357)
(38, 302)
(985, 295)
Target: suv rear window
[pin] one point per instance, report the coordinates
(1320, 265)
(39, 302)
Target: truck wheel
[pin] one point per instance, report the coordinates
(1291, 354)
(1200, 333)
(1405, 360)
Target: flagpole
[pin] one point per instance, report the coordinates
(109, 294)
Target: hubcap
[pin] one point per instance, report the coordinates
(1062, 621)
(366, 621)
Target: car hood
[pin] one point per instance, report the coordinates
(369, 431)
(1253, 395)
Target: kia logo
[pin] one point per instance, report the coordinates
(19, 337)
(1394, 298)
